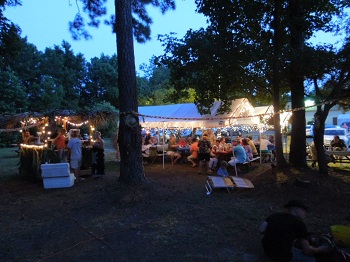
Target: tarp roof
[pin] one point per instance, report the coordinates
(187, 115)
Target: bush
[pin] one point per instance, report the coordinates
(8, 138)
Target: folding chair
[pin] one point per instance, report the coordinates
(153, 154)
(230, 182)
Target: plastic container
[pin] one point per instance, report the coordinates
(341, 235)
(59, 182)
(55, 170)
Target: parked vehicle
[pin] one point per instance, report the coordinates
(345, 125)
(331, 126)
(343, 118)
(329, 134)
(309, 130)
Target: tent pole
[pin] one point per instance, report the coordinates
(260, 141)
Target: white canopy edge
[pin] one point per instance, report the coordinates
(187, 115)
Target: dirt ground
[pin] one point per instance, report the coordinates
(168, 218)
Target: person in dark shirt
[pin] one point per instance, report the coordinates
(338, 144)
(281, 230)
(204, 148)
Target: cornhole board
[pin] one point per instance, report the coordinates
(57, 175)
(230, 182)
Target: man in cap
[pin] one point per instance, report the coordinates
(282, 230)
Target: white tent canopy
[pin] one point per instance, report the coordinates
(187, 115)
(263, 110)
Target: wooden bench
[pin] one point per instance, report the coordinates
(251, 160)
(246, 164)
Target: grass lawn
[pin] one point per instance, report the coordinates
(9, 162)
(168, 218)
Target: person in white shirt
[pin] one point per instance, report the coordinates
(263, 145)
(75, 153)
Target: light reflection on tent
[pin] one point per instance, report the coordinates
(187, 115)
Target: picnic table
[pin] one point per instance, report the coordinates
(340, 156)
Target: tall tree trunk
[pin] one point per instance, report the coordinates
(319, 125)
(129, 138)
(277, 38)
(297, 155)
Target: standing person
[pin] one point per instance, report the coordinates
(204, 152)
(60, 142)
(75, 154)
(194, 151)
(283, 231)
(264, 148)
(264, 143)
(98, 156)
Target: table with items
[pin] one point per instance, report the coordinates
(339, 156)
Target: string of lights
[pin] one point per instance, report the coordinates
(232, 117)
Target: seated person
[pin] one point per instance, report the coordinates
(145, 148)
(247, 148)
(239, 154)
(194, 152)
(153, 141)
(172, 150)
(281, 230)
(190, 140)
(213, 157)
(338, 144)
(252, 145)
(223, 147)
(182, 142)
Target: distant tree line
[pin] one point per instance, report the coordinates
(31, 80)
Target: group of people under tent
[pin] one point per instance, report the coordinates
(72, 150)
(215, 152)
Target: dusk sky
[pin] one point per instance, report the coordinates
(45, 24)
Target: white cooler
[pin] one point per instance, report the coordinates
(57, 175)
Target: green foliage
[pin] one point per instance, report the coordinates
(106, 126)
(96, 10)
(102, 80)
(12, 96)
